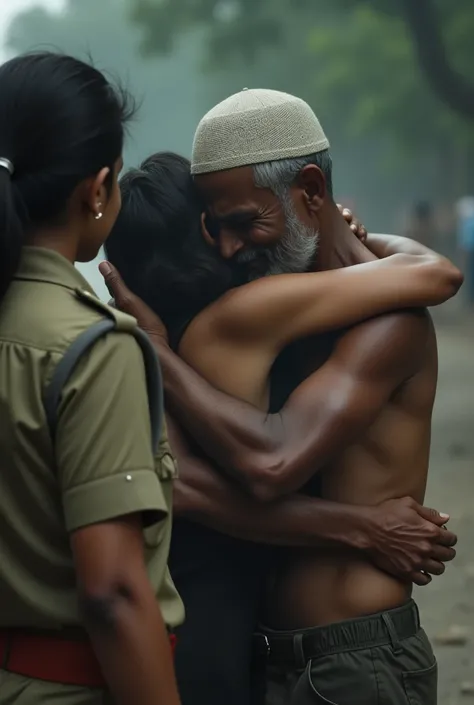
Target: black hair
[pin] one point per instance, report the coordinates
(157, 244)
(60, 122)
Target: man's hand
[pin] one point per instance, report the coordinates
(129, 303)
(410, 541)
(354, 224)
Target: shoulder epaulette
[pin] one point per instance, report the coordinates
(123, 322)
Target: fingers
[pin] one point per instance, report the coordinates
(432, 567)
(428, 569)
(120, 293)
(432, 515)
(111, 277)
(447, 538)
(444, 537)
(443, 553)
(356, 227)
(419, 578)
(348, 217)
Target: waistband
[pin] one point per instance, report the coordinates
(53, 657)
(298, 647)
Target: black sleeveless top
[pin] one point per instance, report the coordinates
(195, 547)
(221, 581)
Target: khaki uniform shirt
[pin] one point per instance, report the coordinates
(101, 466)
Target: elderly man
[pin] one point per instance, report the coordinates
(336, 623)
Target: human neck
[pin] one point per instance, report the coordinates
(64, 243)
(338, 246)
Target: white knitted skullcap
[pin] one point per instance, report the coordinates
(254, 126)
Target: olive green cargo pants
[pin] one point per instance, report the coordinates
(384, 659)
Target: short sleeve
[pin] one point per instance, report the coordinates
(103, 449)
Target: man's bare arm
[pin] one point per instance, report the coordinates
(209, 411)
(292, 307)
(387, 245)
(251, 445)
(275, 454)
(207, 497)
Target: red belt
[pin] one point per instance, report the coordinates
(52, 658)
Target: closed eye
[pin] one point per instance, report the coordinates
(238, 220)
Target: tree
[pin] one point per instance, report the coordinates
(371, 74)
(450, 85)
(247, 26)
(171, 91)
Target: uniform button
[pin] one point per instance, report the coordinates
(128, 478)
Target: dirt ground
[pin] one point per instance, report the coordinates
(447, 605)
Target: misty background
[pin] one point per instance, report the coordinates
(392, 83)
(397, 136)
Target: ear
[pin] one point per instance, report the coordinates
(205, 232)
(96, 193)
(313, 184)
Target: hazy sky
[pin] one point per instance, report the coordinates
(10, 8)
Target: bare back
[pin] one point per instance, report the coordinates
(390, 460)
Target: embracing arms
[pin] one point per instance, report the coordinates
(400, 536)
(274, 454)
(207, 497)
(294, 306)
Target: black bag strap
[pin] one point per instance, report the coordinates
(81, 345)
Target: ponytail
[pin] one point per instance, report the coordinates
(61, 122)
(11, 228)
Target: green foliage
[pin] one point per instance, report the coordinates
(371, 75)
(171, 91)
(353, 59)
(234, 29)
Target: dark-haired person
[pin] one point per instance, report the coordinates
(168, 263)
(81, 582)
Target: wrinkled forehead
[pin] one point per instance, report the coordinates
(228, 193)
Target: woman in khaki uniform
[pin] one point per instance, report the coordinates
(81, 582)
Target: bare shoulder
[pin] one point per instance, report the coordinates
(206, 329)
(220, 319)
(401, 338)
(398, 325)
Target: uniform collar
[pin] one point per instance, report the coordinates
(43, 265)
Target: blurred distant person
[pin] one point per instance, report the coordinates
(421, 224)
(465, 238)
(84, 590)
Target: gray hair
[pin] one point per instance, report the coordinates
(298, 246)
(279, 175)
